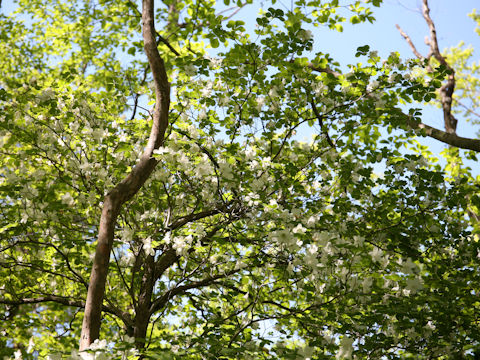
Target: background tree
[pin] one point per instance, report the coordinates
(226, 233)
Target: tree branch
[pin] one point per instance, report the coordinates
(192, 217)
(320, 123)
(130, 185)
(160, 302)
(446, 91)
(446, 137)
(125, 317)
(410, 42)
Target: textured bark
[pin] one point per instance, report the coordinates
(129, 186)
(142, 311)
(447, 137)
(446, 91)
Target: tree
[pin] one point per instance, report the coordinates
(225, 234)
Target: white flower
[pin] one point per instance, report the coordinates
(250, 153)
(98, 345)
(67, 199)
(223, 101)
(98, 134)
(430, 325)
(240, 265)
(367, 284)
(179, 244)
(202, 115)
(203, 169)
(31, 345)
(102, 173)
(260, 102)
(226, 171)
(391, 78)
(299, 229)
(190, 70)
(414, 284)
(408, 267)
(273, 92)
(85, 356)
(18, 355)
(147, 246)
(319, 89)
(127, 259)
(207, 90)
(52, 357)
(215, 63)
(376, 254)
(46, 95)
(274, 107)
(346, 348)
(304, 35)
(372, 85)
(128, 339)
(311, 221)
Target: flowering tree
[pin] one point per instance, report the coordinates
(268, 214)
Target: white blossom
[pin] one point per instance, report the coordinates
(46, 95)
(260, 102)
(414, 284)
(67, 199)
(372, 85)
(147, 246)
(304, 35)
(299, 229)
(190, 70)
(98, 345)
(346, 348)
(226, 170)
(391, 78)
(376, 254)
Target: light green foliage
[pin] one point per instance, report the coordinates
(288, 248)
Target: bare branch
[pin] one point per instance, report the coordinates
(467, 108)
(410, 42)
(446, 91)
(446, 137)
(432, 41)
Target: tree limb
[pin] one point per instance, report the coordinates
(447, 89)
(410, 42)
(125, 317)
(322, 126)
(446, 137)
(130, 185)
(160, 302)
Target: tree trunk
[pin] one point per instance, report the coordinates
(128, 187)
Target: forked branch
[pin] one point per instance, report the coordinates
(130, 185)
